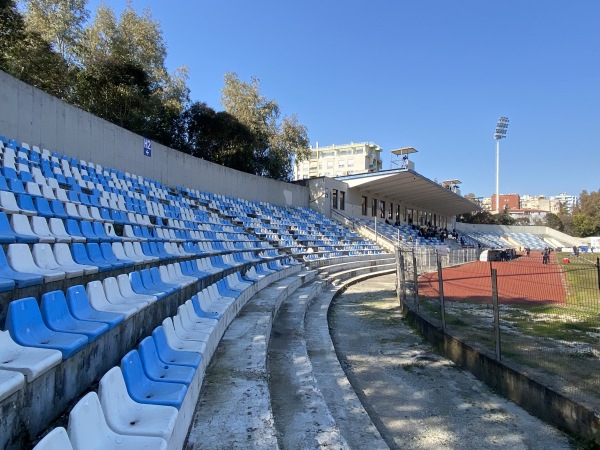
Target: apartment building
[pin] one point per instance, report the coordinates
(340, 160)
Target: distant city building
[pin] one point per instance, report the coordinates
(486, 203)
(568, 200)
(531, 203)
(510, 201)
(340, 160)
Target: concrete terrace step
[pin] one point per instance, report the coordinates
(354, 423)
(331, 262)
(374, 270)
(234, 409)
(301, 415)
(334, 268)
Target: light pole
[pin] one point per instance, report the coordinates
(500, 133)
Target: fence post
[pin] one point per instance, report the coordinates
(402, 279)
(398, 283)
(598, 270)
(441, 288)
(496, 313)
(416, 282)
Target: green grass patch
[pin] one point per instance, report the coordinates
(581, 275)
(555, 322)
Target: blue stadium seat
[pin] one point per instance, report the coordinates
(73, 228)
(7, 284)
(149, 251)
(26, 205)
(58, 209)
(11, 174)
(159, 283)
(99, 231)
(26, 327)
(81, 309)
(85, 199)
(169, 355)
(58, 317)
(158, 370)
(109, 255)
(93, 251)
(43, 207)
(105, 214)
(144, 390)
(201, 312)
(149, 284)
(25, 177)
(3, 184)
(7, 235)
(16, 186)
(87, 230)
(80, 255)
(139, 287)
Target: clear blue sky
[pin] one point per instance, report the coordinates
(431, 74)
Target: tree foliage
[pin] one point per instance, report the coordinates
(26, 55)
(585, 219)
(215, 136)
(554, 222)
(277, 140)
(58, 22)
(124, 78)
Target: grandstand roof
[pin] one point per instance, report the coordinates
(406, 186)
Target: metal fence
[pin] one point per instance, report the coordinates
(540, 317)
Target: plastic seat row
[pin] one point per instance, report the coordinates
(144, 402)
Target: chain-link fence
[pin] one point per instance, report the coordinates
(545, 323)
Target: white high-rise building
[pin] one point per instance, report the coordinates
(568, 200)
(340, 160)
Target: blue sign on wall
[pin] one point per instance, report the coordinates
(147, 147)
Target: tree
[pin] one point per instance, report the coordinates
(25, 55)
(504, 218)
(554, 222)
(141, 95)
(585, 220)
(584, 226)
(277, 140)
(215, 136)
(58, 22)
(479, 217)
(115, 90)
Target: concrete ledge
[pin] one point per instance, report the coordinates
(357, 272)
(537, 399)
(335, 268)
(346, 259)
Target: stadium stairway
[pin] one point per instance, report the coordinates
(275, 380)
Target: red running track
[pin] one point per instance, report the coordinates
(522, 280)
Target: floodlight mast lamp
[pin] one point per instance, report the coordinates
(500, 133)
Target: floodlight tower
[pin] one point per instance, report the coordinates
(500, 133)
